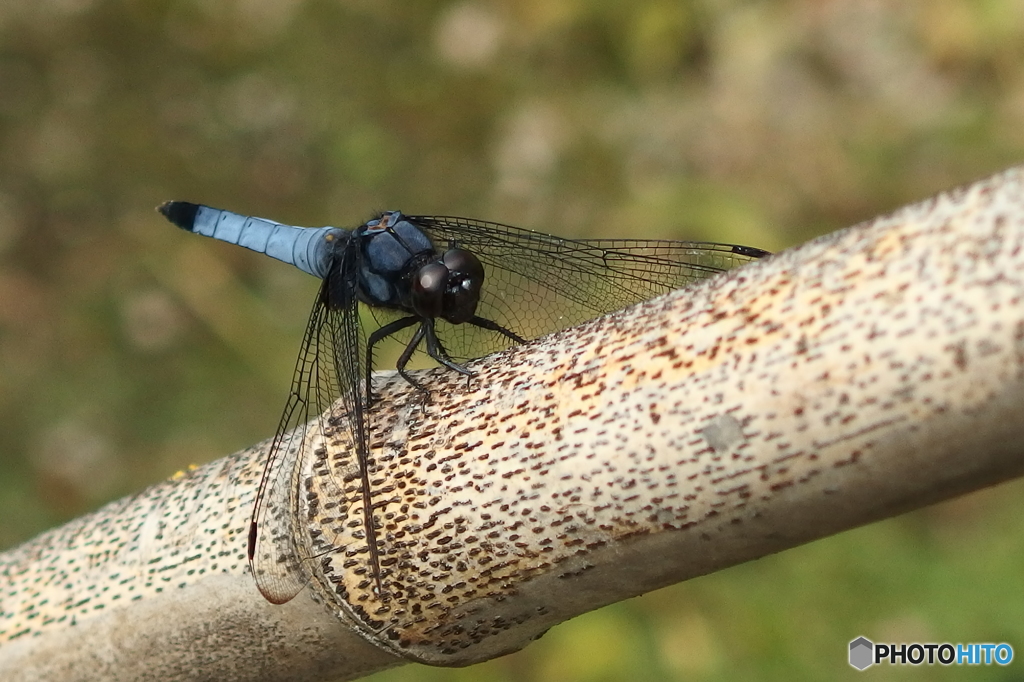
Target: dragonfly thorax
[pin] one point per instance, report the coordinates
(388, 251)
(398, 267)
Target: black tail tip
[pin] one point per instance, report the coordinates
(181, 213)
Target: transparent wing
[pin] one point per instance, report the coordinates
(311, 460)
(537, 283)
(275, 556)
(351, 371)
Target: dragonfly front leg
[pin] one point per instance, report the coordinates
(436, 350)
(493, 326)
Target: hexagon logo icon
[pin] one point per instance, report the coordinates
(862, 653)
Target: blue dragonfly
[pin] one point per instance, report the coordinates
(423, 276)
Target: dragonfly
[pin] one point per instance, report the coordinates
(456, 288)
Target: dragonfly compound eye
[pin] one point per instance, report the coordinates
(464, 283)
(428, 289)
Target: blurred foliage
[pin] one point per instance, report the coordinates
(129, 350)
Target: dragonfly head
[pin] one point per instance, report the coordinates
(449, 288)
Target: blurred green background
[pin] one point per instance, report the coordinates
(129, 350)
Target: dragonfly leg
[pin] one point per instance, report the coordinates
(484, 323)
(403, 359)
(437, 351)
(378, 336)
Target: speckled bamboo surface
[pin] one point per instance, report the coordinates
(863, 374)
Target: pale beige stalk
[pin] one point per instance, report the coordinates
(866, 373)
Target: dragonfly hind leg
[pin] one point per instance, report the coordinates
(381, 334)
(403, 359)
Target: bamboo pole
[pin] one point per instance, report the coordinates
(866, 373)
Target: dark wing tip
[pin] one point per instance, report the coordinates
(750, 251)
(181, 213)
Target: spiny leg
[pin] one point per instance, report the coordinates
(493, 326)
(403, 359)
(437, 351)
(378, 336)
